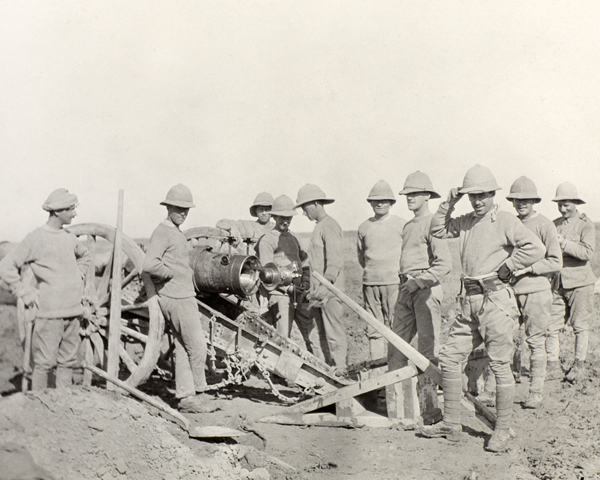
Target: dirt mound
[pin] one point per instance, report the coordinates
(90, 433)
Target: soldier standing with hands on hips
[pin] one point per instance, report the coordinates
(493, 244)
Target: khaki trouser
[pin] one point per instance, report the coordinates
(575, 307)
(535, 311)
(281, 315)
(380, 301)
(417, 313)
(329, 325)
(190, 344)
(54, 343)
(488, 319)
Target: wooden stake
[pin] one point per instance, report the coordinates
(114, 328)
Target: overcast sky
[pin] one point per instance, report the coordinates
(233, 98)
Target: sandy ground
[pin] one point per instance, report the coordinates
(92, 434)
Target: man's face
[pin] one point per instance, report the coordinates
(381, 207)
(282, 223)
(310, 210)
(523, 206)
(263, 214)
(177, 215)
(567, 208)
(482, 203)
(66, 215)
(415, 200)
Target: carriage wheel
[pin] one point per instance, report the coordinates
(142, 323)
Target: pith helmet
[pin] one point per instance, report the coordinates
(59, 199)
(479, 179)
(310, 193)
(179, 196)
(523, 188)
(263, 199)
(567, 191)
(381, 191)
(419, 182)
(283, 206)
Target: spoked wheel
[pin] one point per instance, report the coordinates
(142, 323)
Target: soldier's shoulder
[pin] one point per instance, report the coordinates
(583, 217)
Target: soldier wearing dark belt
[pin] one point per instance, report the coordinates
(493, 244)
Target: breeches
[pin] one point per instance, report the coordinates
(417, 313)
(190, 344)
(489, 320)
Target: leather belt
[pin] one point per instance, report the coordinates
(483, 286)
(405, 276)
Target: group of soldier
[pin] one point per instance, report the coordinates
(524, 268)
(513, 268)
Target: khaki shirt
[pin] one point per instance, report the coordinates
(577, 250)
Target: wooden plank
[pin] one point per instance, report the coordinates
(114, 326)
(348, 408)
(402, 401)
(482, 412)
(350, 391)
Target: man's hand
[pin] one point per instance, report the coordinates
(524, 271)
(305, 280)
(31, 299)
(454, 196)
(504, 273)
(410, 286)
(318, 298)
(561, 240)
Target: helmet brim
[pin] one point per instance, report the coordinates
(468, 190)
(324, 201)
(521, 196)
(578, 201)
(283, 213)
(406, 191)
(178, 203)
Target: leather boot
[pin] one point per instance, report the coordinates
(451, 432)
(578, 372)
(534, 400)
(500, 440)
(554, 370)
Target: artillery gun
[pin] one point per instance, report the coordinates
(224, 281)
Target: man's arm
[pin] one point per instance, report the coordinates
(442, 223)
(528, 247)
(360, 248)
(265, 251)
(440, 265)
(552, 262)
(83, 257)
(334, 247)
(153, 261)
(10, 267)
(584, 248)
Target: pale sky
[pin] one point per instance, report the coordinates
(233, 98)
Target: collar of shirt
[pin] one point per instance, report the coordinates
(168, 223)
(533, 214)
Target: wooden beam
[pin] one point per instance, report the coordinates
(114, 326)
(350, 391)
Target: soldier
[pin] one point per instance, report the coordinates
(425, 260)
(167, 262)
(493, 244)
(574, 285)
(378, 248)
(251, 230)
(532, 284)
(325, 253)
(58, 262)
(280, 246)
